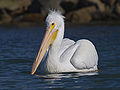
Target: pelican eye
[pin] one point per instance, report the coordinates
(53, 23)
(52, 26)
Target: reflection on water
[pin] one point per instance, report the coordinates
(65, 75)
(53, 78)
(19, 47)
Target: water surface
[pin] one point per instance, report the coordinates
(19, 47)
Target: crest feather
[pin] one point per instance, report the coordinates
(56, 12)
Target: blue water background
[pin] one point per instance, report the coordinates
(19, 47)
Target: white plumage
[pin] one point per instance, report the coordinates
(64, 55)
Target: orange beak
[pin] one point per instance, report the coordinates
(48, 39)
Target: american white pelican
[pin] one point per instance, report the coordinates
(58, 55)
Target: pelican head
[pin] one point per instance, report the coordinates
(54, 21)
(55, 17)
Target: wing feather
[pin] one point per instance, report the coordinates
(85, 56)
(66, 43)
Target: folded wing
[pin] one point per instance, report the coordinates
(85, 56)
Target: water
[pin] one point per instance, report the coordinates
(19, 47)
